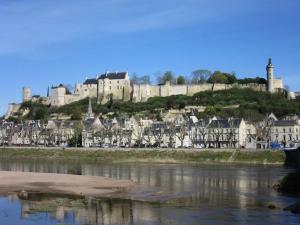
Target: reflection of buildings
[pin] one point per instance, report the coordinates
(102, 212)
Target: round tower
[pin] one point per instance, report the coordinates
(26, 94)
(270, 76)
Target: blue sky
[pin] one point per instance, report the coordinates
(63, 41)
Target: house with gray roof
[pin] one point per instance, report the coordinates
(285, 132)
(227, 133)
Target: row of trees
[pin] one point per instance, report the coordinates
(197, 77)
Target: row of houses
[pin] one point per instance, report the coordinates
(37, 133)
(173, 130)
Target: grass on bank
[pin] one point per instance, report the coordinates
(154, 156)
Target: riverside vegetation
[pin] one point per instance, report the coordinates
(151, 156)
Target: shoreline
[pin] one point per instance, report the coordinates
(89, 186)
(159, 156)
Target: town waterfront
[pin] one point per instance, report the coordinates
(205, 194)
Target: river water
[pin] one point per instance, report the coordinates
(210, 194)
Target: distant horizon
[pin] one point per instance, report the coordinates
(51, 42)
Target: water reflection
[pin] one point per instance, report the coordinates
(214, 194)
(98, 212)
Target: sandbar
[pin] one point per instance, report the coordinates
(91, 186)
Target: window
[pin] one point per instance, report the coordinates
(283, 130)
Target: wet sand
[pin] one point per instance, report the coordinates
(61, 184)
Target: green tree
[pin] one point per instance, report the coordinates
(76, 140)
(231, 78)
(218, 77)
(168, 76)
(77, 114)
(181, 80)
(40, 114)
(222, 78)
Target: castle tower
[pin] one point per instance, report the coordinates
(26, 94)
(270, 76)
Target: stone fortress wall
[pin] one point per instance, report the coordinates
(142, 93)
(121, 90)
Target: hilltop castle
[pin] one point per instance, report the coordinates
(117, 86)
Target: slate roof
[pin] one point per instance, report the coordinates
(285, 123)
(88, 124)
(222, 123)
(91, 81)
(61, 85)
(113, 76)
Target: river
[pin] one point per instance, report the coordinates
(209, 194)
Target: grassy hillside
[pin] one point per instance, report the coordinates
(252, 105)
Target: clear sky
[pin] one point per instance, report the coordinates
(49, 42)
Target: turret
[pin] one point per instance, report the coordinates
(26, 94)
(270, 76)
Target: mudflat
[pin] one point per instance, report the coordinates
(61, 184)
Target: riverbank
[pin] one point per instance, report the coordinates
(148, 155)
(24, 182)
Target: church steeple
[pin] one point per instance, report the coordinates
(90, 114)
(48, 92)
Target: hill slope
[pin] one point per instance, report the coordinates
(252, 105)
